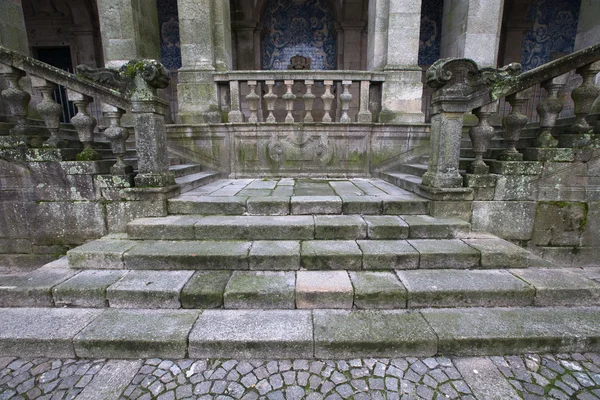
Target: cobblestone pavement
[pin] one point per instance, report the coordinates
(561, 376)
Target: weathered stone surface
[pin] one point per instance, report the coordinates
(86, 289)
(275, 255)
(426, 227)
(331, 254)
(559, 223)
(591, 235)
(111, 381)
(173, 227)
(269, 205)
(560, 287)
(256, 227)
(451, 253)
(316, 205)
(512, 220)
(205, 289)
(485, 379)
(386, 227)
(457, 288)
(100, 254)
(548, 154)
(491, 331)
(136, 334)
(341, 334)
(206, 205)
(499, 253)
(38, 332)
(388, 254)
(252, 334)
(260, 289)
(340, 227)
(377, 290)
(323, 289)
(366, 205)
(404, 206)
(33, 289)
(515, 167)
(148, 289)
(188, 255)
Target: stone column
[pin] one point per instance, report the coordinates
(394, 48)
(471, 29)
(588, 28)
(129, 31)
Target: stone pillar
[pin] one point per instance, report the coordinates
(244, 34)
(471, 29)
(205, 39)
(588, 28)
(129, 31)
(394, 48)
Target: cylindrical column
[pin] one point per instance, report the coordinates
(270, 98)
(480, 135)
(84, 123)
(364, 115)
(16, 98)
(584, 96)
(327, 99)
(235, 115)
(345, 99)
(513, 125)
(49, 110)
(117, 135)
(252, 98)
(289, 98)
(548, 111)
(309, 98)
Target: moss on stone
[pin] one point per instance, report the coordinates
(88, 155)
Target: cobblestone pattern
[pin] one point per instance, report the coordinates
(45, 379)
(285, 379)
(561, 376)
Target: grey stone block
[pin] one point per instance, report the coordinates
(268, 205)
(148, 289)
(404, 206)
(275, 255)
(100, 254)
(171, 255)
(292, 227)
(136, 334)
(386, 227)
(316, 205)
(513, 220)
(499, 331)
(331, 254)
(388, 254)
(340, 227)
(445, 253)
(32, 289)
(86, 289)
(323, 289)
(458, 288)
(366, 205)
(260, 289)
(499, 253)
(173, 227)
(349, 334)
(560, 287)
(426, 227)
(41, 332)
(205, 289)
(207, 205)
(377, 290)
(252, 334)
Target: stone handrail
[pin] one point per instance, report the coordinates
(133, 89)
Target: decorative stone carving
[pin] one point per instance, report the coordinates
(548, 111)
(49, 110)
(327, 98)
(584, 97)
(345, 99)
(111, 78)
(308, 98)
(16, 98)
(513, 125)
(84, 124)
(117, 135)
(480, 135)
(270, 98)
(300, 62)
(252, 98)
(150, 71)
(289, 98)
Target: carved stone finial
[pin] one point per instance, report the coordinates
(153, 72)
(300, 62)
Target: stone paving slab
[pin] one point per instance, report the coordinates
(346, 334)
(499, 253)
(341, 227)
(386, 227)
(33, 289)
(205, 289)
(136, 334)
(293, 227)
(199, 255)
(323, 289)
(445, 253)
(260, 289)
(111, 380)
(331, 254)
(426, 227)
(252, 334)
(460, 288)
(309, 205)
(86, 289)
(207, 205)
(388, 254)
(36, 332)
(478, 331)
(174, 227)
(560, 287)
(275, 255)
(380, 290)
(100, 254)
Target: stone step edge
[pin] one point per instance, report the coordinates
(280, 334)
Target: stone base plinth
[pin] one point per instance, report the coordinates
(548, 154)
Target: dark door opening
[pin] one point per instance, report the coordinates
(59, 57)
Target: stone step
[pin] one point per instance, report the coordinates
(185, 169)
(296, 227)
(195, 180)
(304, 334)
(133, 161)
(288, 255)
(405, 181)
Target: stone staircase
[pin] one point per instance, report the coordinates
(299, 268)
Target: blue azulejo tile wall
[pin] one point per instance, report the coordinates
(303, 27)
(430, 36)
(168, 23)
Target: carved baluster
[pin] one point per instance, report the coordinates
(513, 125)
(117, 135)
(481, 134)
(309, 98)
(270, 98)
(327, 98)
(364, 115)
(584, 97)
(16, 98)
(252, 98)
(345, 99)
(84, 124)
(49, 109)
(548, 111)
(289, 98)
(235, 115)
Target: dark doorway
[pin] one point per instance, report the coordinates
(59, 57)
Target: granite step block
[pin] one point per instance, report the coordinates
(445, 253)
(251, 334)
(339, 227)
(275, 255)
(377, 290)
(269, 205)
(461, 288)
(426, 227)
(293, 227)
(499, 253)
(323, 289)
(405, 206)
(172, 227)
(309, 205)
(388, 254)
(32, 289)
(260, 289)
(100, 254)
(207, 205)
(386, 227)
(331, 255)
(205, 289)
(86, 289)
(365, 205)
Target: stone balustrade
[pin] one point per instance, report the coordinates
(300, 96)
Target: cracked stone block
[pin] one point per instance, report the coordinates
(381, 290)
(205, 289)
